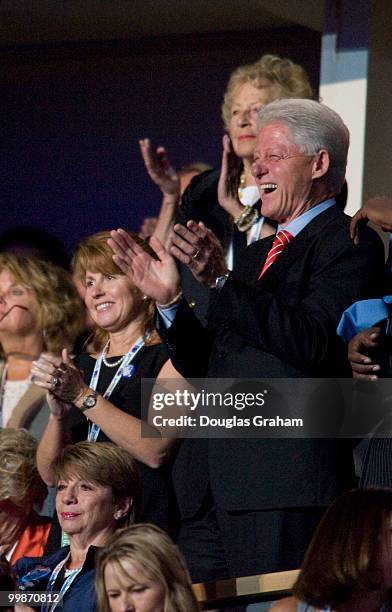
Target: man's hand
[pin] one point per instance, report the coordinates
(197, 247)
(377, 210)
(157, 278)
(160, 169)
(361, 364)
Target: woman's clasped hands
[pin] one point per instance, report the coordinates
(60, 377)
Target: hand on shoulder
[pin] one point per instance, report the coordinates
(378, 210)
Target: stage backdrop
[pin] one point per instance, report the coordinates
(71, 116)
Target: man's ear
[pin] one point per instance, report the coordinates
(321, 164)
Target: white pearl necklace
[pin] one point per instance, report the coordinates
(115, 363)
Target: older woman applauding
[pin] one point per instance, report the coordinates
(227, 200)
(98, 491)
(107, 393)
(39, 311)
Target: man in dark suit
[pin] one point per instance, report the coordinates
(250, 506)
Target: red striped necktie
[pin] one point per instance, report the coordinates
(280, 242)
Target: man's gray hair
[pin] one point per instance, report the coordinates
(314, 127)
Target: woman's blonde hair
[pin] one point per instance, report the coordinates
(282, 76)
(107, 465)
(95, 255)
(59, 306)
(153, 551)
(20, 482)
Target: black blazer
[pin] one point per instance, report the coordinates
(280, 326)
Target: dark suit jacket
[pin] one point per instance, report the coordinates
(280, 326)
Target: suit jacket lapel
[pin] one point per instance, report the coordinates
(256, 256)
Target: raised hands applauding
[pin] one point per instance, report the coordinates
(194, 245)
(157, 278)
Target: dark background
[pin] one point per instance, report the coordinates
(71, 116)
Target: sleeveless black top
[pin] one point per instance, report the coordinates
(159, 505)
(127, 397)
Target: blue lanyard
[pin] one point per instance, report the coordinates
(66, 584)
(123, 370)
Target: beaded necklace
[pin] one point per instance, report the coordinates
(107, 363)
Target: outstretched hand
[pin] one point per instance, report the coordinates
(157, 277)
(361, 364)
(197, 247)
(378, 210)
(160, 169)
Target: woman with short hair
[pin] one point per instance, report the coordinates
(98, 491)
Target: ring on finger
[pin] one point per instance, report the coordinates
(55, 381)
(196, 254)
